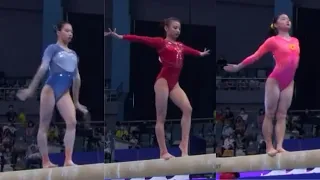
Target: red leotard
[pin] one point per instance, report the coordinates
(170, 55)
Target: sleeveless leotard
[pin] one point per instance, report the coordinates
(286, 53)
(170, 55)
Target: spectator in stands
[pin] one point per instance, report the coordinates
(133, 140)
(297, 131)
(227, 130)
(251, 132)
(239, 141)
(305, 116)
(122, 133)
(254, 84)
(22, 117)
(11, 114)
(108, 146)
(219, 115)
(33, 156)
(228, 115)
(260, 118)
(18, 151)
(8, 136)
(244, 115)
(240, 125)
(228, 143)
(30, 130)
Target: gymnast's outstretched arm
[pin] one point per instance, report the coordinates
(76, 87)
(266, 47)
(155, 42)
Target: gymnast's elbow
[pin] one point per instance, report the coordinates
(43, 68)
(77, 78)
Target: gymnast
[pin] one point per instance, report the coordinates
(62, 64)
(279, 86)
(171, 54)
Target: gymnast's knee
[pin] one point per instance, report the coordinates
(161, 114)
(71, 124)
(187, 110)
(281, 116)
(44, 125)
(269, 116)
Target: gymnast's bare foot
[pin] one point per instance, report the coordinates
(69, 163)
(166, 156)
(184, 150)
(281, 150)
(272, 152)
(49, 165)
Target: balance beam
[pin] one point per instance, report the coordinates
(149, 168)
(286, 160)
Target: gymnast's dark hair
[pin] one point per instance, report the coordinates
(273, 31)
(59, 26)
(168, 21)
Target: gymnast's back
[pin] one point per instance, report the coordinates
(60, 60)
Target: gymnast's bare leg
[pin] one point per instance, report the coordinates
(281, 115)
(272, 95)
(47, 104)
(161, 90)
(67, 110)
(180, 99)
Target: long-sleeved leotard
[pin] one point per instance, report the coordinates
(63, 66)
(170, 55)
(286, 53)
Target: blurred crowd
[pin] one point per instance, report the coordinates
(18, 131)
(238, 132)
(230, 132)
(248, 79)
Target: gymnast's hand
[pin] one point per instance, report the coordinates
(206, 52)
(113, 33)
(232, 68)
(81, 108)
(24, 94)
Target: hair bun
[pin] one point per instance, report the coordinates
(272, 26)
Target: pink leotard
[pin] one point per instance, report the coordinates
(286, 53)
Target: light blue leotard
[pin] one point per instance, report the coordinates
(63, 66)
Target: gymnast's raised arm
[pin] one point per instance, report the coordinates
(155, 42)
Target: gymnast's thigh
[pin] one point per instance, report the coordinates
(272, 95)
(161, 90)
(47, 103)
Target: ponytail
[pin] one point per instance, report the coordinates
(272, 30)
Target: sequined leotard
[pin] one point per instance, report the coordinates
(170, 55)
